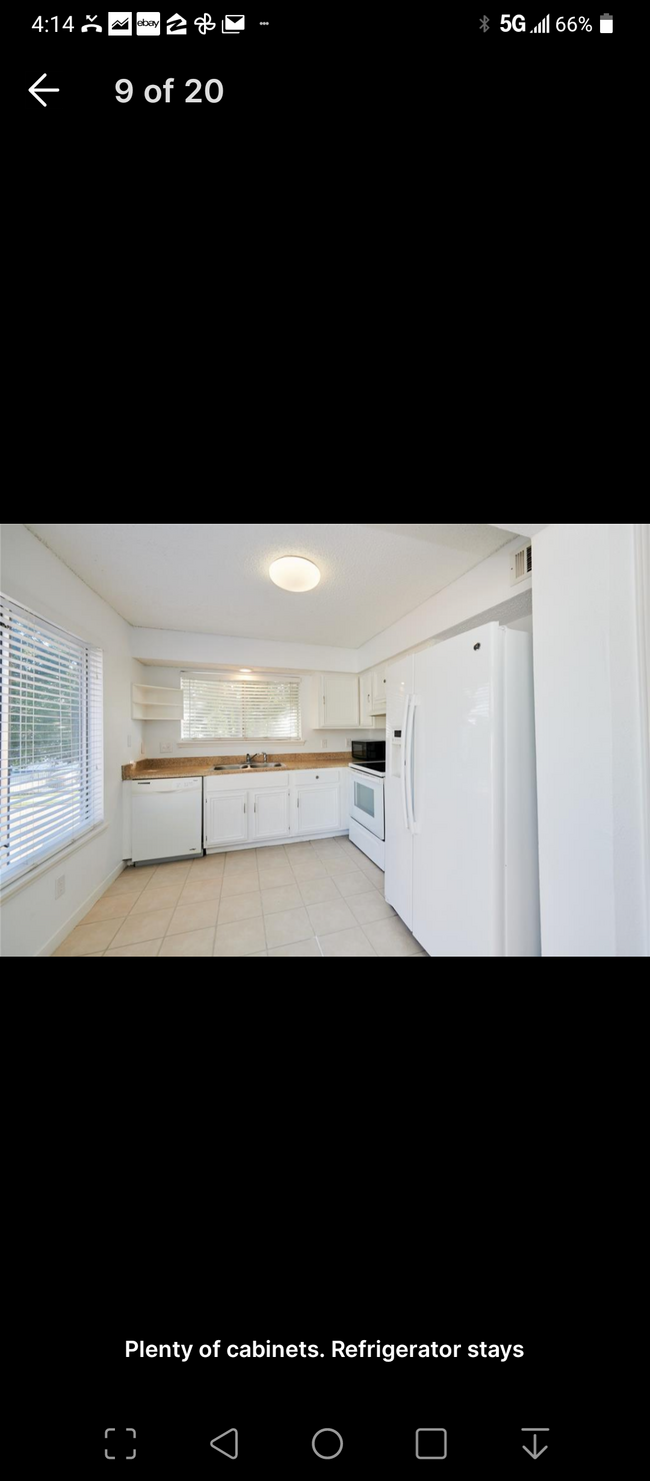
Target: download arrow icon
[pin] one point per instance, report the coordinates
(35, 90)
(535, 1452)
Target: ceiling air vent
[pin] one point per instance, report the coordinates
(522, 565)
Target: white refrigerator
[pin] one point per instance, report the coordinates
(461, 797)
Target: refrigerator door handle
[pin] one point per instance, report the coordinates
(410, 741)
(404, 758)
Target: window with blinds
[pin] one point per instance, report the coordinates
(216, 708)
(52, 754)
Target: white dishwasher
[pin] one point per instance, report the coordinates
(166, 818)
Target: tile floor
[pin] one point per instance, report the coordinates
(297, 899)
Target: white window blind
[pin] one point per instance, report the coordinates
(52, 753)
(216, 708)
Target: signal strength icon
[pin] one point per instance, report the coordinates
(544, 26)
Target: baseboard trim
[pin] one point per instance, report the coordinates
(79, 914)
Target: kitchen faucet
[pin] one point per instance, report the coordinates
(250, 759)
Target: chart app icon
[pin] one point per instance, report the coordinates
(120, 23)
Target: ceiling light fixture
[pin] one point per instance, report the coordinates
(294, 573)
(245, 671)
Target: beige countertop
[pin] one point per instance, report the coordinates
(180, 766)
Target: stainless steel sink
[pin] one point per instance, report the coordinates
(255, 766)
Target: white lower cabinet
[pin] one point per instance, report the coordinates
(316, 809)
(282, 806)
(226, 818)
(271, 813)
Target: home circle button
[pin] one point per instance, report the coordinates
(327, 1444)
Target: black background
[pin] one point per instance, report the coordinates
(292, 1167)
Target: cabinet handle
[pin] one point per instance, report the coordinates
(297, 802)
(254, 807)
(244, 807)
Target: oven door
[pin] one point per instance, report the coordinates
(367, 801)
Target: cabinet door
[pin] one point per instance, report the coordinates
(339, 700)
(316, 809)
(271, 813)
(226, 818)
(365, 698)
(378, 690)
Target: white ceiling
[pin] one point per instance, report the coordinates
(213, 578)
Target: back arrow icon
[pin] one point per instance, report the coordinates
(535, 1452)
(35, 90)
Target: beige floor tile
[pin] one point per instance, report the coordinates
(170, 874)
(375, 875)
(326, 847)
(287, 926)
(208, 863)
(353, 883)
(153, 899)
(242, 938)
(189, 943)
(370, 907)
(138, 948)
(346, 943)
(274, 878)
(299, 851)
(86, 939)
(240, 907)
(143, 927)
(246, 859)
(285, 897)
(142, 872)
(109, 907)
(350, 850)
(127, 883)
(391, 938)
(332, 915)
(304, 869)
(298, 948)
(315, 891)
(272, 851)
(206, 889)
(338, 866)
(101, 953)
(239, 884)
(195, 917)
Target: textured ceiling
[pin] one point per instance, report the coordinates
(213, 578)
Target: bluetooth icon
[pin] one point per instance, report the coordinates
(485, 24)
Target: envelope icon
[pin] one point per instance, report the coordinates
(232, 24)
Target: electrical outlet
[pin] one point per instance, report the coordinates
(128, 741)
(59, 887)
(142, 749)
(323, 745)
(166, 748)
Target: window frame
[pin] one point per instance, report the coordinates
(218, 677)
(90, 747)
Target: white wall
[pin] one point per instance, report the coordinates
(487, 586)
(31, 920)
(193, 650)
(168, 731)
(589, 733)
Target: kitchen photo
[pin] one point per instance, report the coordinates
(325, 740)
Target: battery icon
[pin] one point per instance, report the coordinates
(606, 23)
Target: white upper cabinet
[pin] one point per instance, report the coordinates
(365, 699)
(378, 691)
(338, 701)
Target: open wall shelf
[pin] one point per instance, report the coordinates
(149, 702)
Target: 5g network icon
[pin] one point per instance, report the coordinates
(518, 23)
